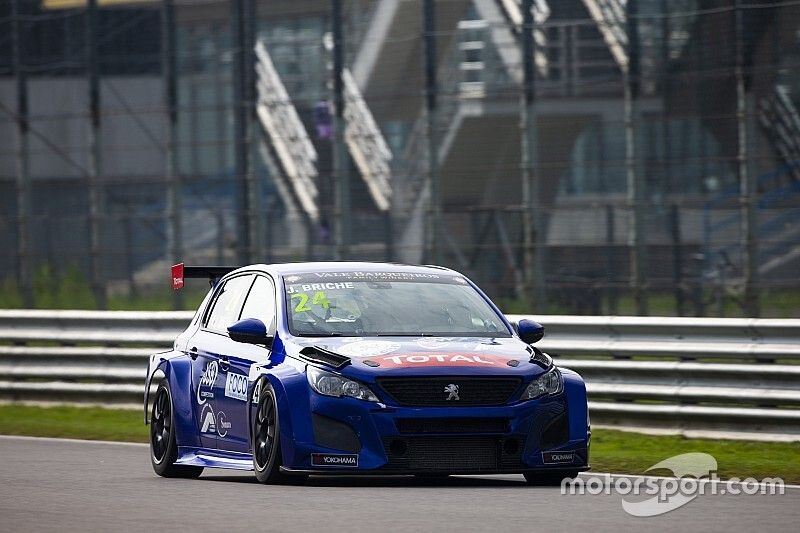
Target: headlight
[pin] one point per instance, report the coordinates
(548, 383)
(331, 384)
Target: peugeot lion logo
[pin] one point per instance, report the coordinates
(452, 389)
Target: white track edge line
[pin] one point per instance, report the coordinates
(141, 444)
(71, 441)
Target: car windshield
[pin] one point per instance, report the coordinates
(354, 304)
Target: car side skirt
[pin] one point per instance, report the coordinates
(214, 458)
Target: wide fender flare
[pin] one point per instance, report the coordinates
(291, 393)
(157, 362)
(577, 403)
(177, 370)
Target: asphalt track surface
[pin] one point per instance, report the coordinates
(61, 485)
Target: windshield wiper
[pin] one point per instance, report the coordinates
(376, 334)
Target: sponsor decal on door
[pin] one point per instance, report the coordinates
(236, 386)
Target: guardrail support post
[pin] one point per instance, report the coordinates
(677, 259)
(611, 269)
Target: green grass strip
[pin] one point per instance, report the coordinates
(620, 451)
(91, 423)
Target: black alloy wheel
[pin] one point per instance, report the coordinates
(266, 440)
(265, 437)
(161, 425)
(163, 446)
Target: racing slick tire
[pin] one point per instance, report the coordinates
(267, 458)
(163, 447)
(549, 479)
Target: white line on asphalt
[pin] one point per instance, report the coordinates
(140, 444)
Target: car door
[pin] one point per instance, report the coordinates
(233, 417)
(209, 363)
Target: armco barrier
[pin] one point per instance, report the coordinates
(733, 377)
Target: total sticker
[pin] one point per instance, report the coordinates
(442, 359)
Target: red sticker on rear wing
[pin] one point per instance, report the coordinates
(177, 276)
(212, 273)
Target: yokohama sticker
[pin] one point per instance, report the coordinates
(331, 459)
(552, 458)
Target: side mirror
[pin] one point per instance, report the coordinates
(529, 331)
(249, 331)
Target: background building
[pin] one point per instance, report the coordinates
(664, 168)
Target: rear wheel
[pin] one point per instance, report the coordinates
(163, 446)
(549, 479)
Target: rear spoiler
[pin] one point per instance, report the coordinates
(180, 272)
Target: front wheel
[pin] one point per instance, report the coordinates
(163, 446)
(266, 438)
(549, 479)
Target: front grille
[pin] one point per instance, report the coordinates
(433, 391)
(454, 454)
(452, 425)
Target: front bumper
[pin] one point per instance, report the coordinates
(514, 438)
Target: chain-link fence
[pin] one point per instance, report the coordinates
(661, 155)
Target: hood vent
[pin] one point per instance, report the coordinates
(315, 354)
(542, 359)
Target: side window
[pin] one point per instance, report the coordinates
(260, 302)
(228, 303)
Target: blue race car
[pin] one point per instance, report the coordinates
(360, 368)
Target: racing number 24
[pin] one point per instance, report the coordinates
(320, 298)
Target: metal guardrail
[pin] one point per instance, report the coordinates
(739, 377)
